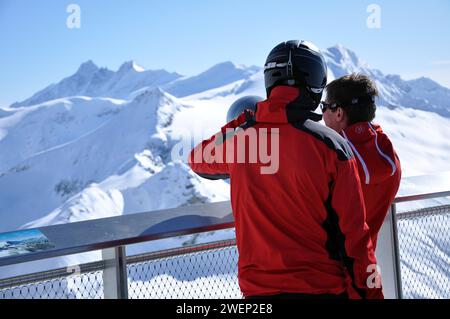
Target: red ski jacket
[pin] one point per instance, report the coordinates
(300, 221)
(379, 171)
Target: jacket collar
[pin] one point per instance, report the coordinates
(360, 132)
(284, 105)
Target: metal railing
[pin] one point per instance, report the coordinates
(412, 266)
(140, 276)
(424, 241)
(173, 273)
(204, 271)
(56, 284)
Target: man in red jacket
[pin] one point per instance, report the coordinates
(349, 110)
(299, 214)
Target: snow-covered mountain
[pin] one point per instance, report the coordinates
(90, 80)
(215, 77)
(421, 94)
(100, 143)
(67, 145)
(100, 134)
(130, 79)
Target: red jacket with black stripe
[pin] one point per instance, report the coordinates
(379, 171)
(299, 214)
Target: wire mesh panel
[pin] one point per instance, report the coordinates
(58, 284)
(424, 243)
(194, 272)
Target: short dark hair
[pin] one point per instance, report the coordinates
(354, 86)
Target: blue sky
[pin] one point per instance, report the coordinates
(188, 36)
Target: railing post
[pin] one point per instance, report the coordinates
(388, 256)
(115, 281)
(396, 246)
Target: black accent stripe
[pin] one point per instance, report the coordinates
(250, 122)
(303, 102)
(299, 110)
(335, 243)
(213, 176)
(331, 139)
(296, 115)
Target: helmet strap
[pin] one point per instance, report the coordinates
(289, 66)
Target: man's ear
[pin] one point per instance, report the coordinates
(341, 117)
(340, 114)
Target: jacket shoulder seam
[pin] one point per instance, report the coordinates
(335, 143)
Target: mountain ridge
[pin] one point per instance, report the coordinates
(130, 78)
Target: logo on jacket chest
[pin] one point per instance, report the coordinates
(360, 129)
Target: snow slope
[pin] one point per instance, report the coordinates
(67, 145)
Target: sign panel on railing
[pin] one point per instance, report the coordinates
(23, 242)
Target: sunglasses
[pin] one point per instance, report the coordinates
(359, 101)
(327, 106)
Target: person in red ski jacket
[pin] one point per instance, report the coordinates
(349, 110)
(299, 213)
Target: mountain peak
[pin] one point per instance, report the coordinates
(340, 47)
(229, 68)
(342, 61)
(216, 76)
(341, 53)
(228, 65)
(130, 66)
(88, 67)
(154, 94)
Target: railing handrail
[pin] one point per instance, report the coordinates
(410, 198)
(98, 234)
(424, 212)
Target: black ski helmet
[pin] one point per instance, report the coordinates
(244, 103)
(297, 63)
